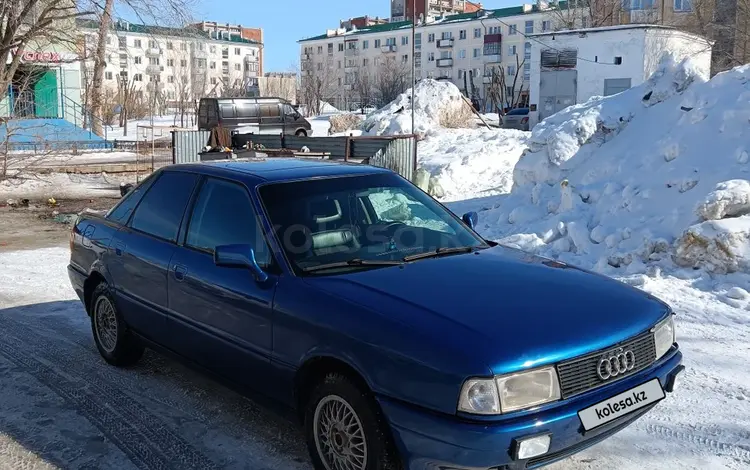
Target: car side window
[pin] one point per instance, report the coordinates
(121, 212)
(224, 215)
(161, 210)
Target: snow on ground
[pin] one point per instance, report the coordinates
(632, 179)
(472, 163)
(62, 186)
(162, 125)
(431, 98)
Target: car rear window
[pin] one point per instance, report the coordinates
(518, 112)
(161, 210)
(122, 211)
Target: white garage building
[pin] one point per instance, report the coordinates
(569, 67)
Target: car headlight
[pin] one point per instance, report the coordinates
(511, 392)
(664, 336)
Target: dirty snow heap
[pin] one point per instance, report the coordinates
(652, 176)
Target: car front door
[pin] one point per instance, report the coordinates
(221, 317)
(142, 249)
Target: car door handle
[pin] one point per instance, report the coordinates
(180, 272)
(119, 248)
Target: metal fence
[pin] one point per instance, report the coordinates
(394, 152)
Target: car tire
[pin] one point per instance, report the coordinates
(113, 338)
(301, 133)
(367, 437)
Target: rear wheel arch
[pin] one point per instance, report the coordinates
(89, 286)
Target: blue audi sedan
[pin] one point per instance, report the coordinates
(400, 337)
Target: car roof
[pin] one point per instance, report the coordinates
(277, 169)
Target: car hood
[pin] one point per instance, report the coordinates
(513, 309)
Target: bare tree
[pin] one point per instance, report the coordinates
(587, 14)
(317, 87)
(32, 22)
(155, 10)
(505, 90)
(391, 81)
(365, 88)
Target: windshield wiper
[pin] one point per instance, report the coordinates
(442, 251)
(352, 262)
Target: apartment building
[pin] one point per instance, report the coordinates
(175, 64)
(468, 49)
(402, 10)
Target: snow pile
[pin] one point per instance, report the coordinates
(471, 163)
(654, 175)
(431, 98)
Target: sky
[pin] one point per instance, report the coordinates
(284, 22)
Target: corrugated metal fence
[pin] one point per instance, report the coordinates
(393, 152)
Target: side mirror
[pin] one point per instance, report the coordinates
(239, 256)
(470, 219)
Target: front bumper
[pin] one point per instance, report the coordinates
(430, 441)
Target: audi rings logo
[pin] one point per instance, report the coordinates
(614, 363)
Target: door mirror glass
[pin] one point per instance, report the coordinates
(239, 256)
(471, 219)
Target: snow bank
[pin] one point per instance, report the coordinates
(430, 96)
(639, 178)
(471, 163)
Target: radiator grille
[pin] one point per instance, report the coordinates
(579, 375)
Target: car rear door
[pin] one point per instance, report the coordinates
(142, 250)
(270, 119)
(220, 317)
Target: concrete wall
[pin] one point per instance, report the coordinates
(658, 42)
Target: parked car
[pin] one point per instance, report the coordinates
(399, 335)
(516, 119)
(256, 115)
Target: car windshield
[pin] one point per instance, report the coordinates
(335, 225)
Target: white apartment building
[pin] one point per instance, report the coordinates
(466, 49)
(178, 64)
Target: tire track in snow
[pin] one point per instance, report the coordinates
(736, 451)
(140, 435)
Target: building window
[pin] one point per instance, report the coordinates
(431, 57)
(153, 61)
(492, 48)
(405, 59)
(212, 49)
(477, 32)
(512, 70)
(138, 77)
(183, 46)
(418, 60)
(213, 80)
(526, 71)
(511, 50)
(320, 49)
(339, 64)
(390, 42)
(170, 79)
(151, 44)
(527, 51)
(330, 48)
(447, 35)
(431, 37)
(122, 42)
(212, 65)
(224, 52)
(183, 63)
(137, 43)
(462, 54)
(365, 44)
(683, 5)
(493, 30)
(339, 81)
(418, 41)
(365, 62)
(169, 45)
(462, 34)
(639, 4)
(446, 54)
(618, 60)
(377, 43)
(529, 27)
(512, 29)
(477, 52)
(237, 51)
(238, 67)
(154, 78)
(404, 40)
(341, 47)
(137, 60)
(170, 62)
(108, 75)
(545, 25)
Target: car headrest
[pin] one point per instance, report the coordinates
(325, 211)
(331, 239)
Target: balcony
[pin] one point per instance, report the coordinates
(445, 62)
(351, 65)
(492, 38)
(225, 70)
(154, 69)
(153, 52)
(492, 57)
(388, 48)
(304, 57)
(351, 52)
(445, 43)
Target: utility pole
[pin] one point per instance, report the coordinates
(413, 78)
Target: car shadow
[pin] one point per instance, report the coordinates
(60, 403)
